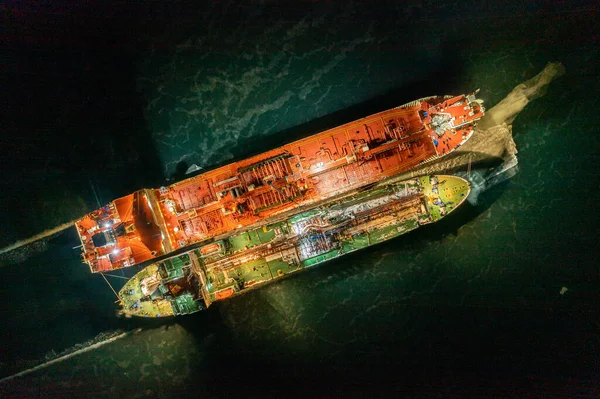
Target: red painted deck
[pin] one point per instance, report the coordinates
(305, 171)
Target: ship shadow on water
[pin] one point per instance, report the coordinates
(112, 157)
(248, 337)
(75, 137)
(450, 66)
(76, 133)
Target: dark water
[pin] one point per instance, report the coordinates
(121, 97)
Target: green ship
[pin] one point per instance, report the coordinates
(192, 281)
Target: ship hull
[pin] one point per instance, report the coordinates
(225, 268)
(156, 222)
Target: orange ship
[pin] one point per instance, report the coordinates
(155, 222)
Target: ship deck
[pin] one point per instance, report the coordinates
(253, 258)
(320, 167)
(301, 173)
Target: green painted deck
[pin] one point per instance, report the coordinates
(279, 268)
(265, 236)
(389, 232)
(173, 267)
(357, 241)
(186, 304)
(253, 238)
(304, 215)
(283, 256)
(252, 272)
(216, 278)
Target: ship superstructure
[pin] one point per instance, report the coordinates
(191, 281)
(240, 195)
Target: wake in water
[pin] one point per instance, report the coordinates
(492, 138)
(23, 249)
(52, 357)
